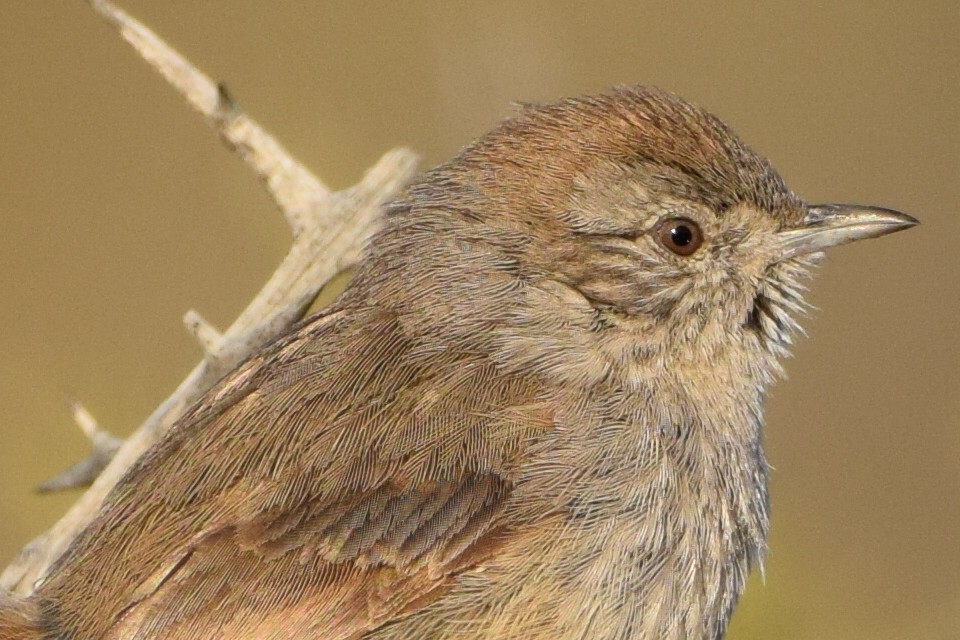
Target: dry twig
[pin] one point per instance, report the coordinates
(329, 229)
(105, 446)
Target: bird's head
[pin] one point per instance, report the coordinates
(650, 216)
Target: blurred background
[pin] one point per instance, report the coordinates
(119, 210)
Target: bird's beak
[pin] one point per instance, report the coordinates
(829, 225)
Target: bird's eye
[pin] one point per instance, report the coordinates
(680, 235)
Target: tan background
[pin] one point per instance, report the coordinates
(119, 210)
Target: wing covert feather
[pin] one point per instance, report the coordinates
(343, 477)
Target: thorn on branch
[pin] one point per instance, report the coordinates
(209, 338)
(225, 101)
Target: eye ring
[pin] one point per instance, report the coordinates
(681, 236)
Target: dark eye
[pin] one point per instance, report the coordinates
(680, 235)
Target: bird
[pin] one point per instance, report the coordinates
(535, 412)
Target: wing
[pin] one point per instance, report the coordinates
(341, 479)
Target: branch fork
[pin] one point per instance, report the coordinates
(329, 231)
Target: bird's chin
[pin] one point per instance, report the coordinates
(779, 304)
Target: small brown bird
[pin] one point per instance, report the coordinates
(536, 412)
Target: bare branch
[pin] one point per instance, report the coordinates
(295, 189)
(329, 232)
(105, 445)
